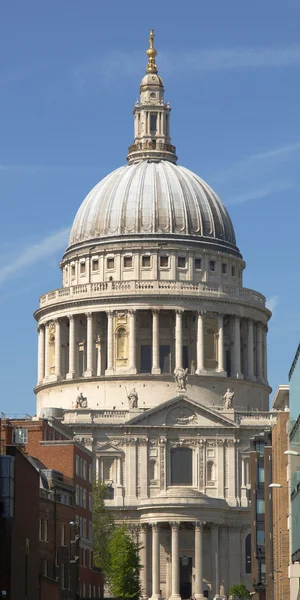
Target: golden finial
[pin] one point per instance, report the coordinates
(151, 53)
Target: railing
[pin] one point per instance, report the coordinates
(140, 288)
(255, 416)
(152, 146)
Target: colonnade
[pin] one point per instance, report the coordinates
(154, 569)
(251, 371)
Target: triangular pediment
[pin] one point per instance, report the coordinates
(107, 448)
(182, 412)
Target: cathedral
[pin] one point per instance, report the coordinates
(155, 355)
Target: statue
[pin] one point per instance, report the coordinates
(81, 401)
(228, 399)
(133, 399)
(181, 379)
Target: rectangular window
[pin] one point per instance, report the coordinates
(84, 558)
(63, 535)
(84, 529)
(90, 531)
(95, 264)
(40, 529)
(260, 506)
(77, 466)
(181, 262)
(45, 568)
(260, 537)
(84, 470)
(164, 261)
(146, 261)
(110, 263)
(181, 466)
(233, 271)
(62, 576)
(212, 265)
(83, 590)
(45, 530)
(224, 268)
(261, 475)
(90, 501)
(153, 122)
(127, 262)
(90, 590)
(20, 435)
(84, 498)
(82, 268)
(90, 474)
(73, 270)
(198, 264)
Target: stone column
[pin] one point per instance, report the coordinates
(41, 353)
(132, 341)
(237, 348)
(143, 558)
(221, 366)
(72, 370)
(110, 345)
(155, 343)
(89, 345)
(178, 339)
(46, 350)
(259, 354)
(99, 358)
(175, 595)
(57, 348)
(244, 501)
(265, 374)
(215, 560)
(200, 343)
(250, 354)
(198, 594)
(155, 562)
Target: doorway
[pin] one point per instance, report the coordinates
(164, 359)
(186, 565)
(146, 359)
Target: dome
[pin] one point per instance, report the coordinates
(153, 199)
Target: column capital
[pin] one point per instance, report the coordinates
(199, 525)
(110, 313)
(175, 525)
(179, 311)
(155, 311)
(88, 315)
(40, 327)
(155, 526)
(71, 317)
(144, 527)
(201, 313)
(132, 312)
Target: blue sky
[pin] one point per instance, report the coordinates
(69, 78)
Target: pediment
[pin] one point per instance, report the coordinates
(107, 448)
(182, 412)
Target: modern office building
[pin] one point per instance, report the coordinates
(155, 355)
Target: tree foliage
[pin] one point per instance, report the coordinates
(103, 526)
(240, 591)
(124, 565)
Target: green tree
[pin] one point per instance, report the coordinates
(103, 526)
(239, 591)
(124, 565)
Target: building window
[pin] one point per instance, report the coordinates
(146, 261)
(84, 557)
(212, 265)
(198, 264)
(90, 501)
(84, 475)
(40, 529)
(82, 268)
(210, 471)
(73, 270)
(164, 261)
(84, 498)
(233, 271)
(95, 264)
(152, 470)
(77, 466)
(63, 535)
(261, 475)
(260, 537)
(45, 568)
(90, 531)
(62, 576)
(181, 466)
(181, 262)
(224, 268)
(153, 122)
(45, 530)
(127, 262)
(260, 506)
(248, 553)
(90, 590)
(110, 263)
(90, 474)
(77, 494)
(84, 533)
(83, 590)
(20, 435)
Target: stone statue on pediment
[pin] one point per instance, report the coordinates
(228, 399)
(133, 399)
(180, 376)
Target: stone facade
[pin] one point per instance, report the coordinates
(155, 354)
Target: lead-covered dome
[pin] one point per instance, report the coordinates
(153, 199)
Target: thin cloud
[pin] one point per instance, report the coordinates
(272, 304)
(262, 192)
(35, 253)
(121, 64)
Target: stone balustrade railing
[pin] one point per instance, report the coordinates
(139, 288)
(244, 418)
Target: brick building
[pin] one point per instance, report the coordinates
(64, 470)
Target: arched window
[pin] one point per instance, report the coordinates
(210, 471)
(121, 343)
